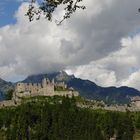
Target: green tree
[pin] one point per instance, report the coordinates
(9, 94)
(43, 120)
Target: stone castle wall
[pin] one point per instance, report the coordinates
(46, 88)
(7, 103)
(56, 93)
(67, 93)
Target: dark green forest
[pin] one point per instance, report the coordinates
(63, 120)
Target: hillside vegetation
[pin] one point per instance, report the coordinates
(58, 118)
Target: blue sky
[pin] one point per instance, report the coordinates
(7, 11)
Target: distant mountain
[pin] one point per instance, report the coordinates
(57, 76)
(4, 87)
(89, 89)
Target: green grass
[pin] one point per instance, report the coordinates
(53, 99)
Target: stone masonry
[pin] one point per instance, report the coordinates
(46, 88)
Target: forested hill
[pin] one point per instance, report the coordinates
(61, 119)
(89, 89)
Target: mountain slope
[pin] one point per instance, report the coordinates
(89, 89)
(4, 87)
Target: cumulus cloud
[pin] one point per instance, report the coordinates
(93, 44)
(133, 80)
(120, 68)
(94, 72)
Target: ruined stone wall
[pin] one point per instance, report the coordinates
(57, 93)
(46, 89)
(24, 87)
(20, 87)
(61, 84)
(66, 93)
(7, 103)
(136, 103)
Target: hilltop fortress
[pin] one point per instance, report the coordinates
(46, 88)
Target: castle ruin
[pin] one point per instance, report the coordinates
(46, 88)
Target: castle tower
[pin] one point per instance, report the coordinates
(53, 81)
(48, 87)
(20, 87)
(48, 81)
(44, 83)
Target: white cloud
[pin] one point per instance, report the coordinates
(133, 80)
(94, 72)
(117, 69)
(93, 43)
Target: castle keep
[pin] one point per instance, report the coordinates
(46, 88)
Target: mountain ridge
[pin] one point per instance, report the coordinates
(89, 89)
(86, 88)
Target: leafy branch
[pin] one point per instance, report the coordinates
(47, 7)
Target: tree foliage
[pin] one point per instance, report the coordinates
(9, 94)
(63, 121)
(47, 7)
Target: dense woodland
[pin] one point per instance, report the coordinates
(62, 120)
